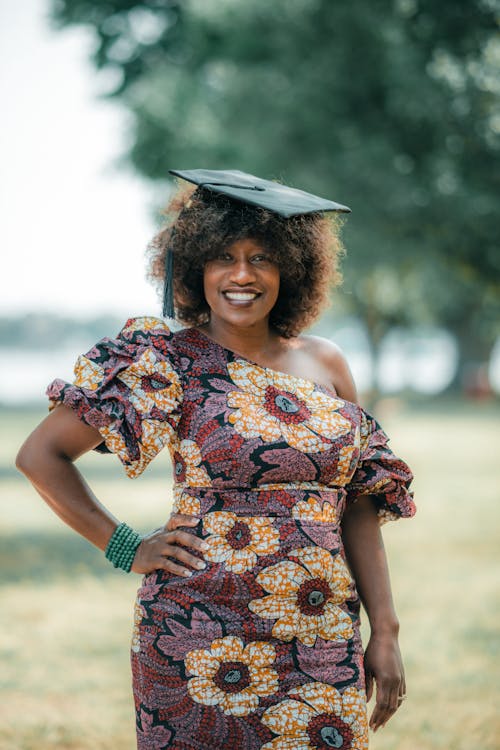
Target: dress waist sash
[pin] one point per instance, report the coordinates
(306, 501)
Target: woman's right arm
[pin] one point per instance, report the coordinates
(47, 459)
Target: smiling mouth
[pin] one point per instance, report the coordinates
(241, 296)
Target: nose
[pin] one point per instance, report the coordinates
(242, 272)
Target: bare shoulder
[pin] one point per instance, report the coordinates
(331, 357)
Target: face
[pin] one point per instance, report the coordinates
(241, 284)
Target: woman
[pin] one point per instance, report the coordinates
(247, 620)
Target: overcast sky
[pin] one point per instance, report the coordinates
(73, 226)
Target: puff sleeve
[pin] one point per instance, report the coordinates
(382, 474)
(129, 389)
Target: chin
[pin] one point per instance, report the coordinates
(239, 316)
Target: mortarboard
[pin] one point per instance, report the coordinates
(246, 188)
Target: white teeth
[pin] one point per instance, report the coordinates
(243, 296)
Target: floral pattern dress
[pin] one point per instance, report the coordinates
(261, 649)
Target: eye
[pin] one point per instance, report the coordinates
(261, 258)
(224, 257)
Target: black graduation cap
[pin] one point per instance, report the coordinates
(246, 188)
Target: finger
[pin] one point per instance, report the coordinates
(380, 716)
(172, 567)
(403, 686)
(185, 539)
(402, 693)
(377, 717)
(369, 685)
(181, 554)
(386, 703)
(180, 519)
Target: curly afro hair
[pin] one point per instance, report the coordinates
(306, 248)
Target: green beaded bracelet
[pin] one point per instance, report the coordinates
(122, 547)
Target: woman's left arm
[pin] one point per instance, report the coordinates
(364, 548)
(366, 556)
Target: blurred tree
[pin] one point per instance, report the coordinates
(390, 106)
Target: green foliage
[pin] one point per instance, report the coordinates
(390, 106)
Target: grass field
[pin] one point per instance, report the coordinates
(65, 613)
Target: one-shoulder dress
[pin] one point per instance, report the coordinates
(261, 649)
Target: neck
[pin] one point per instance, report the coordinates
(247, 340)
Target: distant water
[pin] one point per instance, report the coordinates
(423, 361)
(25, 373)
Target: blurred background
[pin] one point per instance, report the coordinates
(389, 106)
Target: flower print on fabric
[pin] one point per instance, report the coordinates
(384, 516)
(88, 374)
(382, 474)
(151, 732)
(345, 466)
(304, 597)
(129, 390)
(153, 383)
(154, 437)
(184, 502)
(237, 541)
(279, 407)
(138, 615)
(231, 675)
(262, 647)
(318, 717)
(146, 324)
(187, 465)
(314, 509)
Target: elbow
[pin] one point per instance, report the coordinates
(25, 459)
(32, 457)
(47, 446)
(37, 457)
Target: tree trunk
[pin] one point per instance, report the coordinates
(471, 376)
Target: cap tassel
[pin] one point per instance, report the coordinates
(168, 285)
